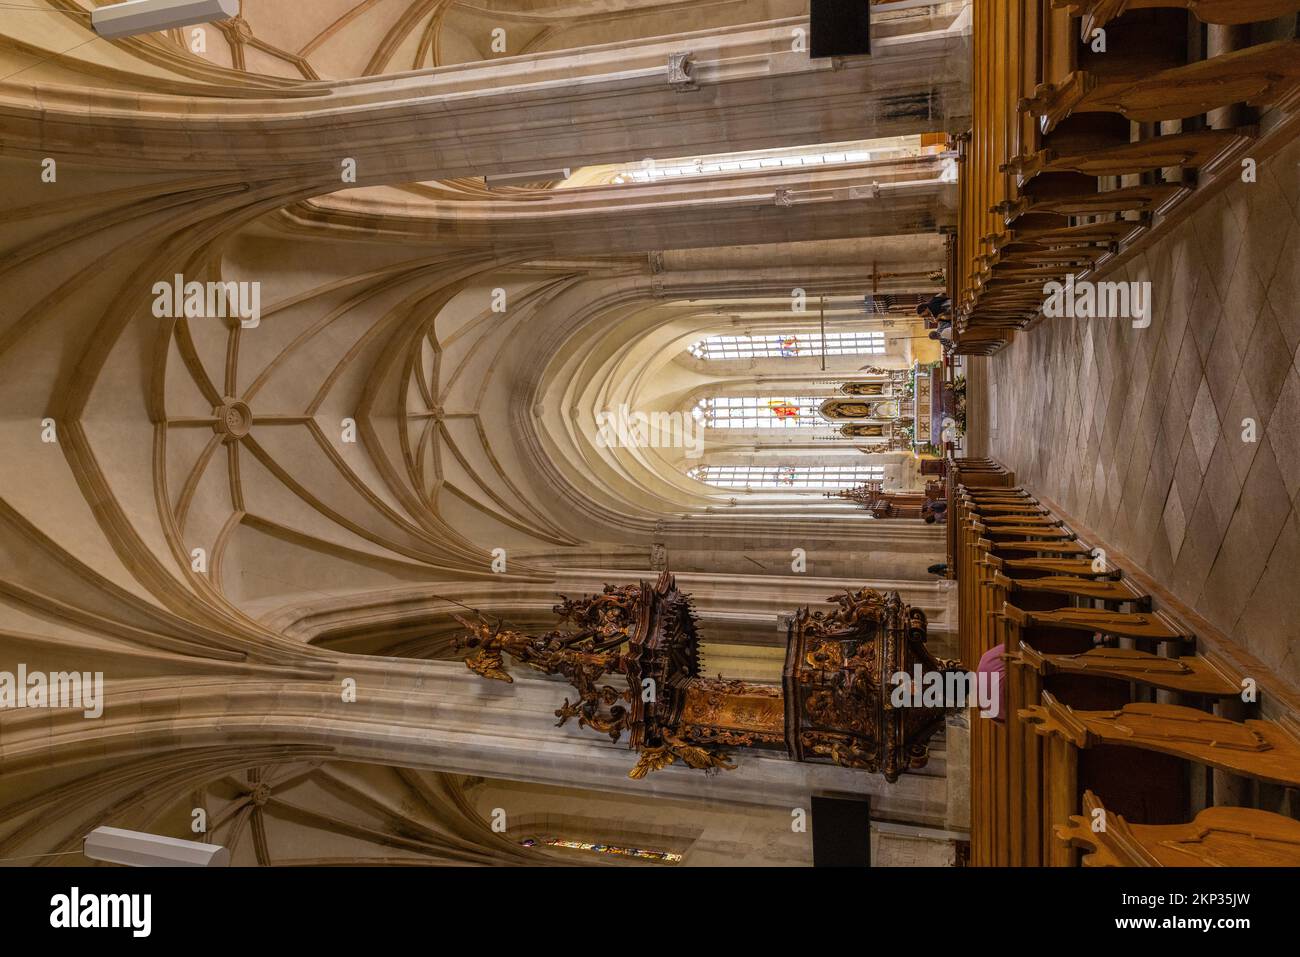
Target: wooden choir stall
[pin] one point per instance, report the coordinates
(1094, 122)
(1125, 739)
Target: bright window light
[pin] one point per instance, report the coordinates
(797, 477)
(760, 412)
(790, 346)
(658, 171)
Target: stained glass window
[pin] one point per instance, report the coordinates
(790, 345)
(617, 850)
(654, 172)
(759, 412)
(797, 477)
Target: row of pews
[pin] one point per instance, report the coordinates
(1091, 123)
(1119, 742)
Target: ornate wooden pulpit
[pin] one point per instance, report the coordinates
(839, 666)
(833, 706)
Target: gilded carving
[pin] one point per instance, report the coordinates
(865, 389)
(867, 430)
(632, 655)
(839, 664)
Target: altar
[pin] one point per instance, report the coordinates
(927, 408)
(899, 410)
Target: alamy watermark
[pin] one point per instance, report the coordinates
(947, 689)
(74, 909)
(1082, 299)
(208, 300)
(55, 689)
(623, 428)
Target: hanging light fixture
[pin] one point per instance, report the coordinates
(149, 16)
(138, 849)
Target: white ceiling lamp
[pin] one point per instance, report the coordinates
(150, 16)
(138, 849)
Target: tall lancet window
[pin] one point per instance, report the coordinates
(796, 477)
(759, 412)
(790, 346)
(733, 163)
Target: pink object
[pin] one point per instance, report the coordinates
(991, 663)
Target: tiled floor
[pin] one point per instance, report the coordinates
(1144, 434)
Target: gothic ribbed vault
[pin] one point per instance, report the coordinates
(231, 519)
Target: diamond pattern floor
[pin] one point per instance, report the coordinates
(1180, 443)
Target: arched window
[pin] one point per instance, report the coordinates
(790, 345)
(713, 165)
(760, 412)
(797, 477)
(667, 857)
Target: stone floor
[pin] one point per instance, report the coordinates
(1179, 444)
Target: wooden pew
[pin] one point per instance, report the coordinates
(1125, 753)
(1263, 750)
(1079, 146)
(1044, 650)
(1189, 676)
(1218, 837)
(1106, 698)
(1261, 75)
(1110, 591)
(1150, 626)
(1095, 14)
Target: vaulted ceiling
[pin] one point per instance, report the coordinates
(183, 498)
